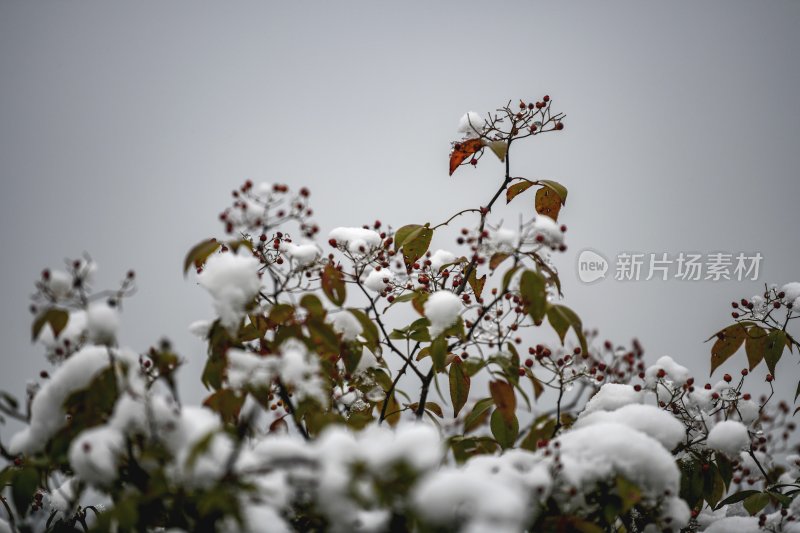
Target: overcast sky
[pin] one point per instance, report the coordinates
(124, 126)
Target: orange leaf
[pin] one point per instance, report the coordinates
(548, 203)
(463, 150)
(504, 398)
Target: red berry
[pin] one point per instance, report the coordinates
(332, 242)
(769, 378)
(529, 362)
(744, 372)
(560, 126)
(727, 378)
(521, 371)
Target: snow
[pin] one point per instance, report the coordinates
(378, 280)
(600, 452)
(62, 498)
(59, 284)
(261, 519)
(792, 296)
(648, 419)
(346, 324)
(303, 254)
(735, 524)
(612, 396)
(200, 328)
(102, 322)
(356, 240)
(442, 309)
(378, 452)
(47, 414)
(299, 370)
(478, 502)
(194, 426)
(94, 454)
(728, 437)
(747, 411)
(70, 336)
(676, 373)
(296, 368)
(233, 282)
(246, 368)
(505, 239)
(471, 124)
(549, 229)
(439, 258)
(367, 361)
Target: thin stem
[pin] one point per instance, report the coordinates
(287, 401)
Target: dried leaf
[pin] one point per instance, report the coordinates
(548, 203)
(463, 150)
(518, 188)
(729, 340)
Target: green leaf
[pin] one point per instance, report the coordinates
(508, 276)
(557, 188)
(23, 488)
(368, 329)
(478, 415)
(713, 485)
(629, 493)
(504, 431)
(783, 499)
(513, 190)
(416, 244)
(725, 469)
(227, 403)
(542, 428)
(313, 305)
(755, 345)
(333, 285)
(459, 385)
(562, 318)
(500, 149)
(735, 498)
(776, 342)
(532, 286)
(756, 502)
(323, 336)
(55, 317)
(729, 340)
(402, 234)
(198, 255)
(439, 353)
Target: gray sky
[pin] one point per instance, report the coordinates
(123, 127)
